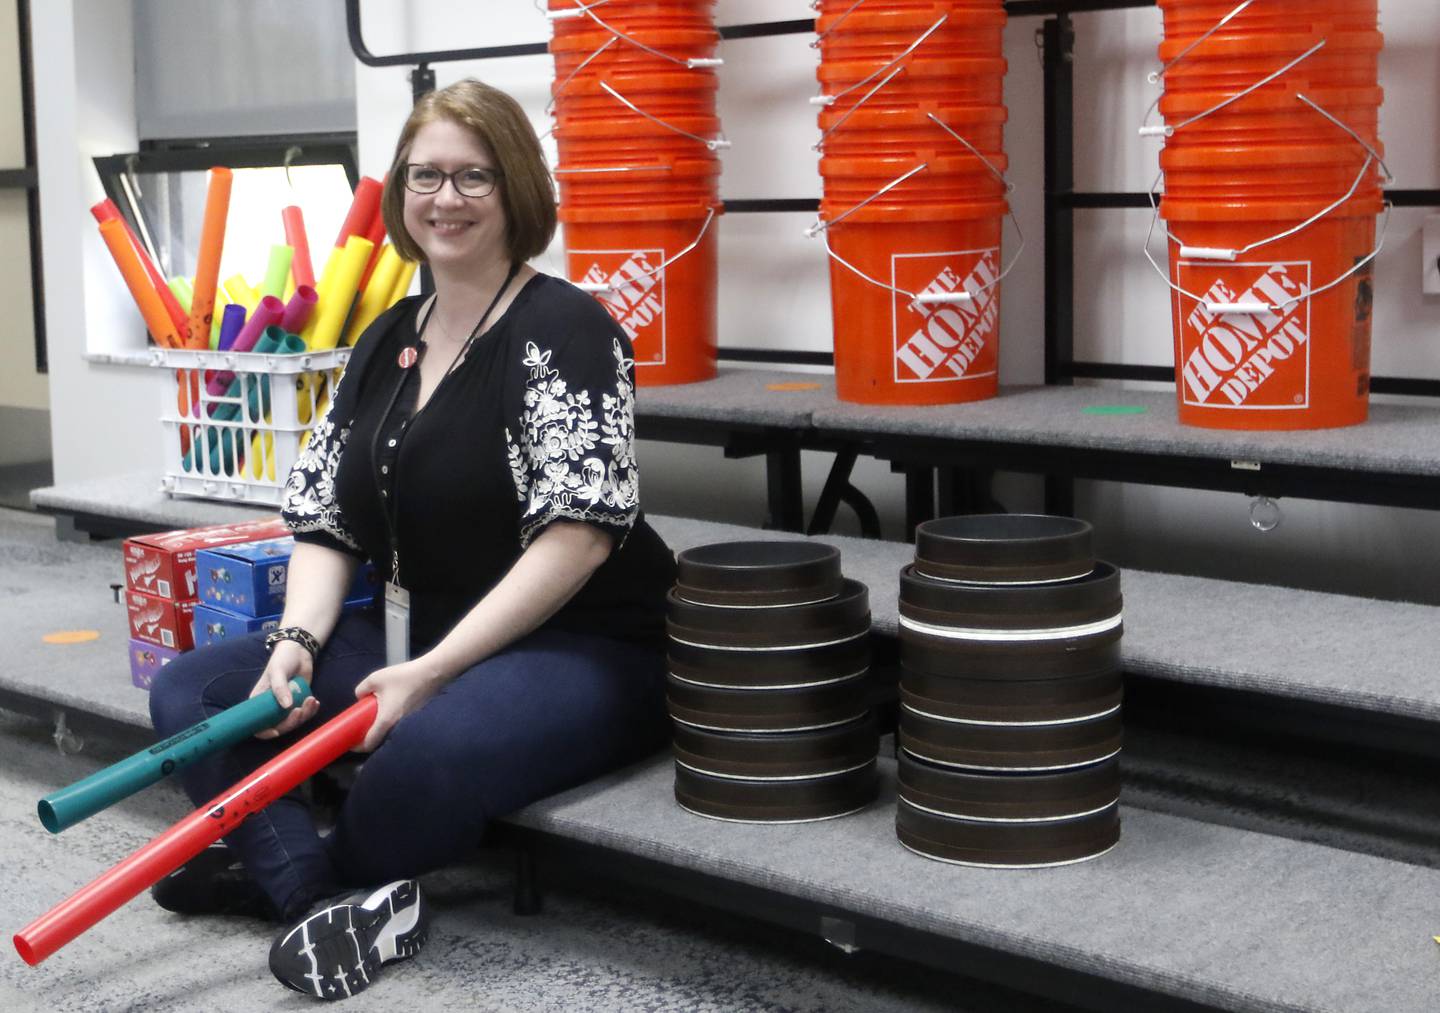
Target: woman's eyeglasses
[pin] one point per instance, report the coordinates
(472, 182)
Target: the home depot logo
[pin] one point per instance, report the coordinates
(1245, 360)
(634, 295)
(936, 342)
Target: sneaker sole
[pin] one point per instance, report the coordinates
(339, 951)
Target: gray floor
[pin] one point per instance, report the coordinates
(582, 952)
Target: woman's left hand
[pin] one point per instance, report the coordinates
(399, 690)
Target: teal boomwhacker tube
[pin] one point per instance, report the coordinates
(68, 806)
(223, 444)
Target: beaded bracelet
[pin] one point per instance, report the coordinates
(298, 634)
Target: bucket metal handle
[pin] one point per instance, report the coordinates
(826, 100)
(1251, 307)
(657, 167)
(597, 286)
(560, 90)
(818, 145)
(712, 143)
(1213, 253)
(586, 10)
(924, 298)
(815, 42)
(1168, 130)
(1372, 157)
(1155, 75)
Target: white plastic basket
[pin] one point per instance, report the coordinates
(233, 422)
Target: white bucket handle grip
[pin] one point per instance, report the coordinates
(594, 287)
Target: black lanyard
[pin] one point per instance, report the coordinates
(389, 506)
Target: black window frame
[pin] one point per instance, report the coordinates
(198, 154)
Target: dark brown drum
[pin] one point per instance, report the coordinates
(768, 710)
(1003, 548)
(840, 619)
(1007, 845)
(778, 755)
(1009, 747)
(758, 574)
(1019, 796)
(798, 801)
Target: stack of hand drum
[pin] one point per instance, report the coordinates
(1009, 693)
(768, 684)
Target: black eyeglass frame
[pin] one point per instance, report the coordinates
(495, 177)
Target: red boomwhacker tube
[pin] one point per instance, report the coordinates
(301, 268)
(192, 835)
(104, 212)
(362, 210)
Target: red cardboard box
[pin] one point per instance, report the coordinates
(161, 621)
(163, 564)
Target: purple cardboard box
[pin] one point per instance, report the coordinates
(146, 660)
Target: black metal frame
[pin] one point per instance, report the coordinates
(28, 179)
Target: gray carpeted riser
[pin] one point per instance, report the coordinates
(1397, 438)
(1239, 920)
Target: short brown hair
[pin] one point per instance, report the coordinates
(527, 192)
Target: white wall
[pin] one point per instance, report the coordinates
(102, 417)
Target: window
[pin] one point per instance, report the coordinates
(161, 190)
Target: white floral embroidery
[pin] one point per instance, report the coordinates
(310, 503)
(558, 464)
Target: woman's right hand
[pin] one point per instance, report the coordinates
(287, 660)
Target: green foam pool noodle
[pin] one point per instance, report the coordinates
(68, 806)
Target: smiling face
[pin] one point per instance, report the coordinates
(450, 228)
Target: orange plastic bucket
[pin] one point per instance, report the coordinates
(1272, 115)
(1193, 17)
(884, 35)
(1273, 172)
(960, 82)
(901, 131)
(890, 349)
(1307, 367)
(670, 314)
(681, 82)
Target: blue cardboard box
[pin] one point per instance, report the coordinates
(250, 579)
(217, 625)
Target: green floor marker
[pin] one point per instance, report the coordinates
(1115, 409)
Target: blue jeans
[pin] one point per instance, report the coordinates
(551, 711)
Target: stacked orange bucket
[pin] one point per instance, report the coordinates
(1272, 167)
(634, 105)
(912, 127)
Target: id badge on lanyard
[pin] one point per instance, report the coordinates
(397, 623)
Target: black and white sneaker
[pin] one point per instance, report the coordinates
(212, 883)
(338, 949)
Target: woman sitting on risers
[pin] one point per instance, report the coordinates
(479, 449)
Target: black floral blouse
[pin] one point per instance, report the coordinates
(535, 425)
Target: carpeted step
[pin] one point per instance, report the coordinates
(1180, 911)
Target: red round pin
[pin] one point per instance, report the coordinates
(408, 357)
